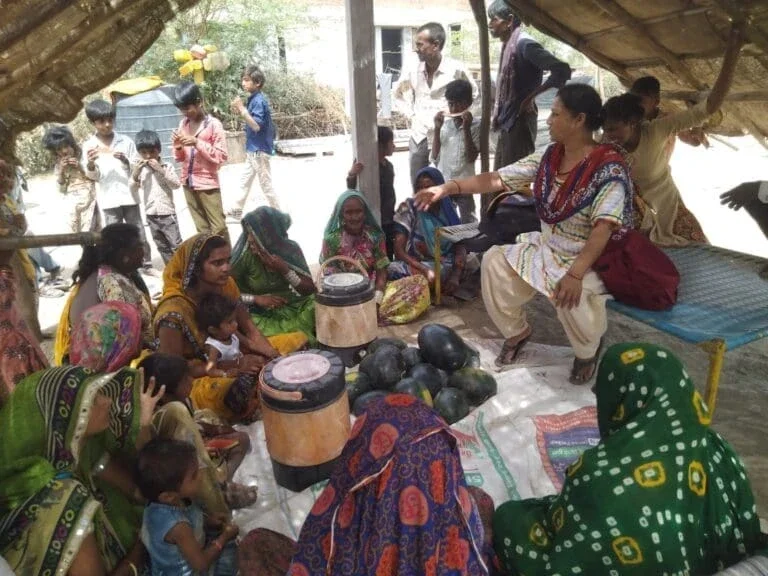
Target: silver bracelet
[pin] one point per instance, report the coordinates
(248, 299)
(293, 278)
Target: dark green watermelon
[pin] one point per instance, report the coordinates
(411, 357)
(366, 364)
(442, 347)
(414, 388)
(364, 400)
(386, 368)
(473, 357)
(433, 378)
(451, 404)
(358, 383)
(477, 384)
(379, 342)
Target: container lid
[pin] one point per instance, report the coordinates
(303, 381)
(345, 283)
(345, 289)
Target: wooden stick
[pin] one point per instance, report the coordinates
(22, 242)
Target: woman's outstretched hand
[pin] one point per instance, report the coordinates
(425, 198)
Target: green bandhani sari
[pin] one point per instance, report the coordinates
(268, 228)
(49, 499)
(661, 493)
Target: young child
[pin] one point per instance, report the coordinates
(386, 183)
(216, 317)
(175, 374)
(157, 181)
(75, 184)
(200, 145)
(456, 143)
(259, 139)
(109, 157)
(173, 531)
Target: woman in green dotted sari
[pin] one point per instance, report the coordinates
(273, 276)
(660, 493)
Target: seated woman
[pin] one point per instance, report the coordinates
(270, 270)
(414, 231)
(107, 271)
(664, 216)
(396, 503)
(20, 353)
(66, 507)
(200, 266)
(581, 191)
(661, 492)
(353, 232)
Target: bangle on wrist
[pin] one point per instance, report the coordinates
(134, 570)
(292, 278)
(458, 187)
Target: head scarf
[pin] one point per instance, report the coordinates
(43, 424)
(604, 165)
(335, 224)
(269, 228)
(420, 225)
(661, 492)
(397, 502)
(107, 337)
(175, 303)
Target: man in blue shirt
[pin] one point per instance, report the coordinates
(259, 139)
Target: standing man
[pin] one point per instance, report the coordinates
(521, 71)
(423, 90)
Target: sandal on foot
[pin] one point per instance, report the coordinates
(580, 366)
(509, 351)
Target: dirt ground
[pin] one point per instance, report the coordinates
(308, 188)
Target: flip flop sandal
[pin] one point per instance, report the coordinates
(509, 352)
(581, 365)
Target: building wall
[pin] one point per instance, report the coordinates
(321, 48)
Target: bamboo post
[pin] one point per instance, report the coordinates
(478, 8)
(22, 242)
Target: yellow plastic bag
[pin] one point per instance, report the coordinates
(405, 300)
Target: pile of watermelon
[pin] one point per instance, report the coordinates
(443, 371)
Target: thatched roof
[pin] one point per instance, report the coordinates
(55, 52)
(681, 42)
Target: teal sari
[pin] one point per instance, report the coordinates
(268, 228)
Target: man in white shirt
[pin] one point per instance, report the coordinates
(423, 90)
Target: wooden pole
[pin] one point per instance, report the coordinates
(21, 242)
(478, 8)
(361, 48)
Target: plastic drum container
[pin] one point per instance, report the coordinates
(305, 410)
(346, 319)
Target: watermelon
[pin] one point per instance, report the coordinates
(414, 388)
(477, 384)
(433, 378)
(473, 357)
(364, 400)
(411, 357)
(385, 367)
(442, 347)
(358, 383)
(379, 342)
(452, 404)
